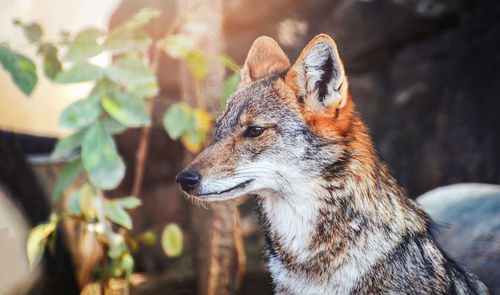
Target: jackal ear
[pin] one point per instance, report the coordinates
(318, 75)
(264, 58)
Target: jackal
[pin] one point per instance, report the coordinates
(335, 220)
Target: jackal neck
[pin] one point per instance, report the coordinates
(344, 220)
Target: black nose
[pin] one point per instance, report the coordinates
(188, 179)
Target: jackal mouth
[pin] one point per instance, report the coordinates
(238, 186)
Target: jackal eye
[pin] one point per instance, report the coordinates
(254, 131)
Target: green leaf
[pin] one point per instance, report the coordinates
(35, 248)
(51, 66)
(117, 250)
(116, 271)
(195, 136)
(191, 125)
(127, 264)
(129, 37)
(87, 201)
(144, 90)
(128, 202)
(68, 144)
(230, 86)
(117, 214)
(129, 110)
(227, 61)
(202, 120)
(141, 18)
(74, 203)
(47, 49)
(105, 87)
(51, 241)
(148, 238)
(51, 63)
(80, 72)
(177, 120)
(130, 71)
(172, 240)
(33, 32)
(68, 176)
(101, 159)
(193, 140)
(21, 69)
(123, 40)
(178, 46)
(197, 64)
(37, 240)
(112, 126)
(81, 113)
(85, 45)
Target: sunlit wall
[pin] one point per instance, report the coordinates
(39, 113)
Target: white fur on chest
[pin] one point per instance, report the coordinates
(294, 221)
(293, 224)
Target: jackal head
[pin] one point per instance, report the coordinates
(281, 129)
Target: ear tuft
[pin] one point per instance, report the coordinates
(318, 75)
(264, 58)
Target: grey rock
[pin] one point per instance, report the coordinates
(467, 226)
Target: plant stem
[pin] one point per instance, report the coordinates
(105, 269)
(239, 246)
(142, 150)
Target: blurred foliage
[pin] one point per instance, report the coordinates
(171, 240)
(37, 240)
(230, 87)
(117, 101)
(190, 125)
(21, 69)
(182, 121)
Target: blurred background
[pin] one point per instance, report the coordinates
(424, 75)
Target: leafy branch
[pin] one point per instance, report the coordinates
(122, 97)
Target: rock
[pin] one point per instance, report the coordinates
(467, 226)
